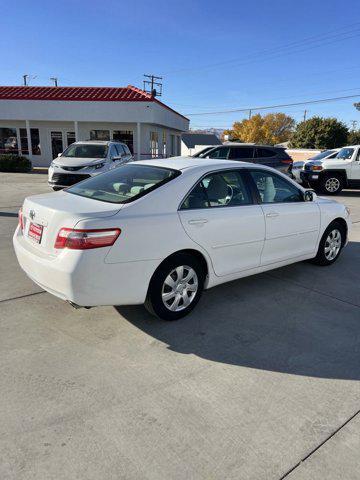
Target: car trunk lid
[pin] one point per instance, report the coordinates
(45, 215)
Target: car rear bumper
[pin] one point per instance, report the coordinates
(82, 277)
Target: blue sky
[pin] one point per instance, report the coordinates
(213, 56)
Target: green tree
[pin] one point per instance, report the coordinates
(354, 137)
(321, 133)
(270, 129)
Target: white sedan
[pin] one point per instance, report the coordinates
(159, 232)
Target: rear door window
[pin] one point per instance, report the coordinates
(220, 189)
(124, 184)
(241, 153)
(265, 153)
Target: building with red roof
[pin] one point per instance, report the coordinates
(40, 122)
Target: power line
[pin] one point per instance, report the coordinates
(325, 37)
(268, 107)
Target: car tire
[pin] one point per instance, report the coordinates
(175, 287)
(330, 245)
(331, 184)
(56, 189)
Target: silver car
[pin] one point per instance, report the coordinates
(86, 159)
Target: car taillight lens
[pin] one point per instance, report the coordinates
(21, 219)
(85, 239)
(316, 168)
(287, 161)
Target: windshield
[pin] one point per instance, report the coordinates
(124, 184)
(345, 153)
(84, 150)
(321, 155)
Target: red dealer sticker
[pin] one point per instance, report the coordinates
(35, 232)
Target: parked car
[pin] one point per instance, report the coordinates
(160, 231)
(297, 167)
(274, 157)
(330, 176)
(86, 159)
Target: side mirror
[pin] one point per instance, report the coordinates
(309, 196)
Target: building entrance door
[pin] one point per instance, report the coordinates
(57, 145)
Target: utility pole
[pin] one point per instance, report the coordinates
(250, 114)
(55, 80)
(153, 85)
(305, 112)
(25, 80)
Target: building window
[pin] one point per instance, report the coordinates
(164, 144)
(154, 144)
(70, 138)
(56, 143)
(35, 141)
(8, 140)
(99, 134)
(125, 136)
(172, 145)
(178, 145)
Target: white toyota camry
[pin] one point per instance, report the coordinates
(159, 232)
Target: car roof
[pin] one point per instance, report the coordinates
(97, 142)
(182, 163)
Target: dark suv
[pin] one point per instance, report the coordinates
(274, 157)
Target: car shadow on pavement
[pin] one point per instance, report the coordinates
(300, 319)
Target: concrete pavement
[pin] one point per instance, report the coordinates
(260, 382)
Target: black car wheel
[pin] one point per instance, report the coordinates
(331, 184)
(331, 244)
(176, 287)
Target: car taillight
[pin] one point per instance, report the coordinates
(287, 161)
(85, 239)
(21, 219)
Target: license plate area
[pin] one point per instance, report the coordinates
(35, 232)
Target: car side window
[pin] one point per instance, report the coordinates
(238, 153)
(221, 152)
(265, 153)
(226, 188)
(274, 189)
(120, 149)
(113, 152)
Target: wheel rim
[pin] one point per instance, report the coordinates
(332, 184)
(333, 244)
(179, 288)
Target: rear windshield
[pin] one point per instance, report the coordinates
(321, 155)
(124, 184)
(86, 151)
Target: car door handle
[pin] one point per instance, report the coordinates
(272, 214)
(199, 221)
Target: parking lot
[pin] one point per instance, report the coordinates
(261, 381)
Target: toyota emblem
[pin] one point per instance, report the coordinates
(32, 214)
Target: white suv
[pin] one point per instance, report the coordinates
(85, 159)
(330, 176)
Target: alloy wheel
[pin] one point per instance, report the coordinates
(333, 244)
(179, 288)
(332, 184)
